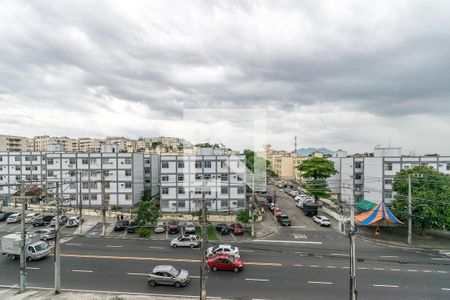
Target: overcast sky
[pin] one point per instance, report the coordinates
(337, 74)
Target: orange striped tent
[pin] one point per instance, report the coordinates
(379, 212)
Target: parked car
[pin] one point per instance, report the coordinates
(29, 218)
(74, 221)
(277, 213)
(189, 227)
(46, 234)
(168, 275)
(185, 241)
(4, 215)
(14, 218)
(225, 262)
(223, 248)
(300, 203)
(284, 220)
(42, 220)
(223, 229)
(121, 225)
(173, 226)
(237, 229)
(133, 227)
(322, 220)
(62, 221)
(160, 227)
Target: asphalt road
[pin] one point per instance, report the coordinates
(273, 270)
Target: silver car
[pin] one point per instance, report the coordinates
(46, 234)
(168, 275)
(185, 241)
(14, 218)
(160, 227)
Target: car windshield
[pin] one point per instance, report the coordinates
(324, 219)
(285, 217)
(174, 272)
(231, 258)
(173, 223)
(41, 246)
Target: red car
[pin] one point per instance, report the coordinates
(237, 229)
(226, 263)
(277, 213)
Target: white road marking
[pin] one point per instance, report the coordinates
(194, 276)
(249, 251)
(363, 268)
(379, 269)
(83, 271)
(331, 267)
(396, 270)
(33, 268)
(443, 272)
(137, 274)
(257, 279)
(314, 266)
(113, 246)
(445, 289)
(446, 259)
(411, 270)
(73, 244)
(426, 271)
(155, 247)
(345, 267)
(292, 242)
(298, 265)
(389, 256)
(320, 282)
(385, 285)
(339, 254)
(298, 226)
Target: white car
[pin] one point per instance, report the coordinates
(322, 221)
(189, 228)
(300, 203)
(227, 249)
(303, 197)
(29, 218)
(160, 227)
(14, 218)
(185, 241)
(73, 221)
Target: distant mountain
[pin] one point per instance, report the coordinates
(308, 151)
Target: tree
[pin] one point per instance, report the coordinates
(430, 197)
(315, 171)
(251, 159)
(243, 216)
(147, 213)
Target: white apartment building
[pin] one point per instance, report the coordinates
(89, 145)
(13, 143)
(372, 177)
(209, 174)
(46, 143)
(125, 175)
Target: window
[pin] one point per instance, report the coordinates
(448, 167)
(107, 197)
(17, 168)
(73, 197)
(73, 185)
(181, 164)
(34, 158)
(17, 177)
(183, 205)
(84, 161)
(93, 161)
(224, 190)
(85, 185)
(388, 167)
(181, 190)
(239, 178)
(165, 178)
(85, 197)
(127, 196)
(358, 165)
(147, 161)
(17, 158)
(27, 168)
(72, 161)
(35, 168)
(93, 185)
(27, 158)
(1, 178)
(165, 191)
(50, 173)
(147, 170)
(105, 161)
(207, 176)
(198, 176)
(224, 204)
(223, 164)
(207, 164)
(128, 161)
(207, 191)
(93, 196)
(35, 177)
(107, 185)
(85, 173)
(165, 165)
(405, 167)
(241, 190)
(27, 177)
(128, 173)
(198, 164)
(180, 177)
(358, 177)
(147, 181)
(223, 177)
(388, 181)
(198, 191)
(128, 185)
(388, 195)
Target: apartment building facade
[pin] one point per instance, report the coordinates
(13, 143)
(124, 176)
(209, 174)
(372, 177)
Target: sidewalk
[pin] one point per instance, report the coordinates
(47, 293)
(266, 227)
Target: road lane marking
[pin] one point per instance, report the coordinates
(445, 289)
(389, 256)
(385, 285)
(298, 265)
(33, 268)
(156, 247)
(298, 226)
(320, 282)
(113, 246)
(345, 267)
(443, 272)
(411, 270)
(292, 242)
(194, 276)
(339, 254)
(378, 269)
(73, 244)
(257, 279)
(395, 270)
(363, 268)
(446, 259)
(137, 274)
(331, 267)
(159, 259)
(314, 266)
(83, 271)
(249, 251)
(426, 271)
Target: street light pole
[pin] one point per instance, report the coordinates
(204, 267)
(23, 267)
(252, 204)
(409, 211)
(57, 259)
(80, 199)
(351, 233)
(104, 202)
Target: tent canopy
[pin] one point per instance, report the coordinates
(376, 214)
(365, 205)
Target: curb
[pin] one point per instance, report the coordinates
(395, 244)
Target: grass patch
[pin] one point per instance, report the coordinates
(212, 233)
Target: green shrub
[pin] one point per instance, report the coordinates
(144, 232)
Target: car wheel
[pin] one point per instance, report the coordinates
(29, 258)
(177, 284)
(152, 283)
(236, 270)
(45, 238)
(214, 268)
(192, 246)
(174, 245)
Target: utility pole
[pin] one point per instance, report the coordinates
(23, 267)
(104, 202)
(252, 204)
(57, 258)
(204, 266)
(409, 211)
(351, 234)
(80, 200)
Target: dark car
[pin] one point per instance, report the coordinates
(237, 229)
(121, 225)
(284, 220)
(133, 227)
(4, 215)
(173, 226)
(42, 220)
(223, 228)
